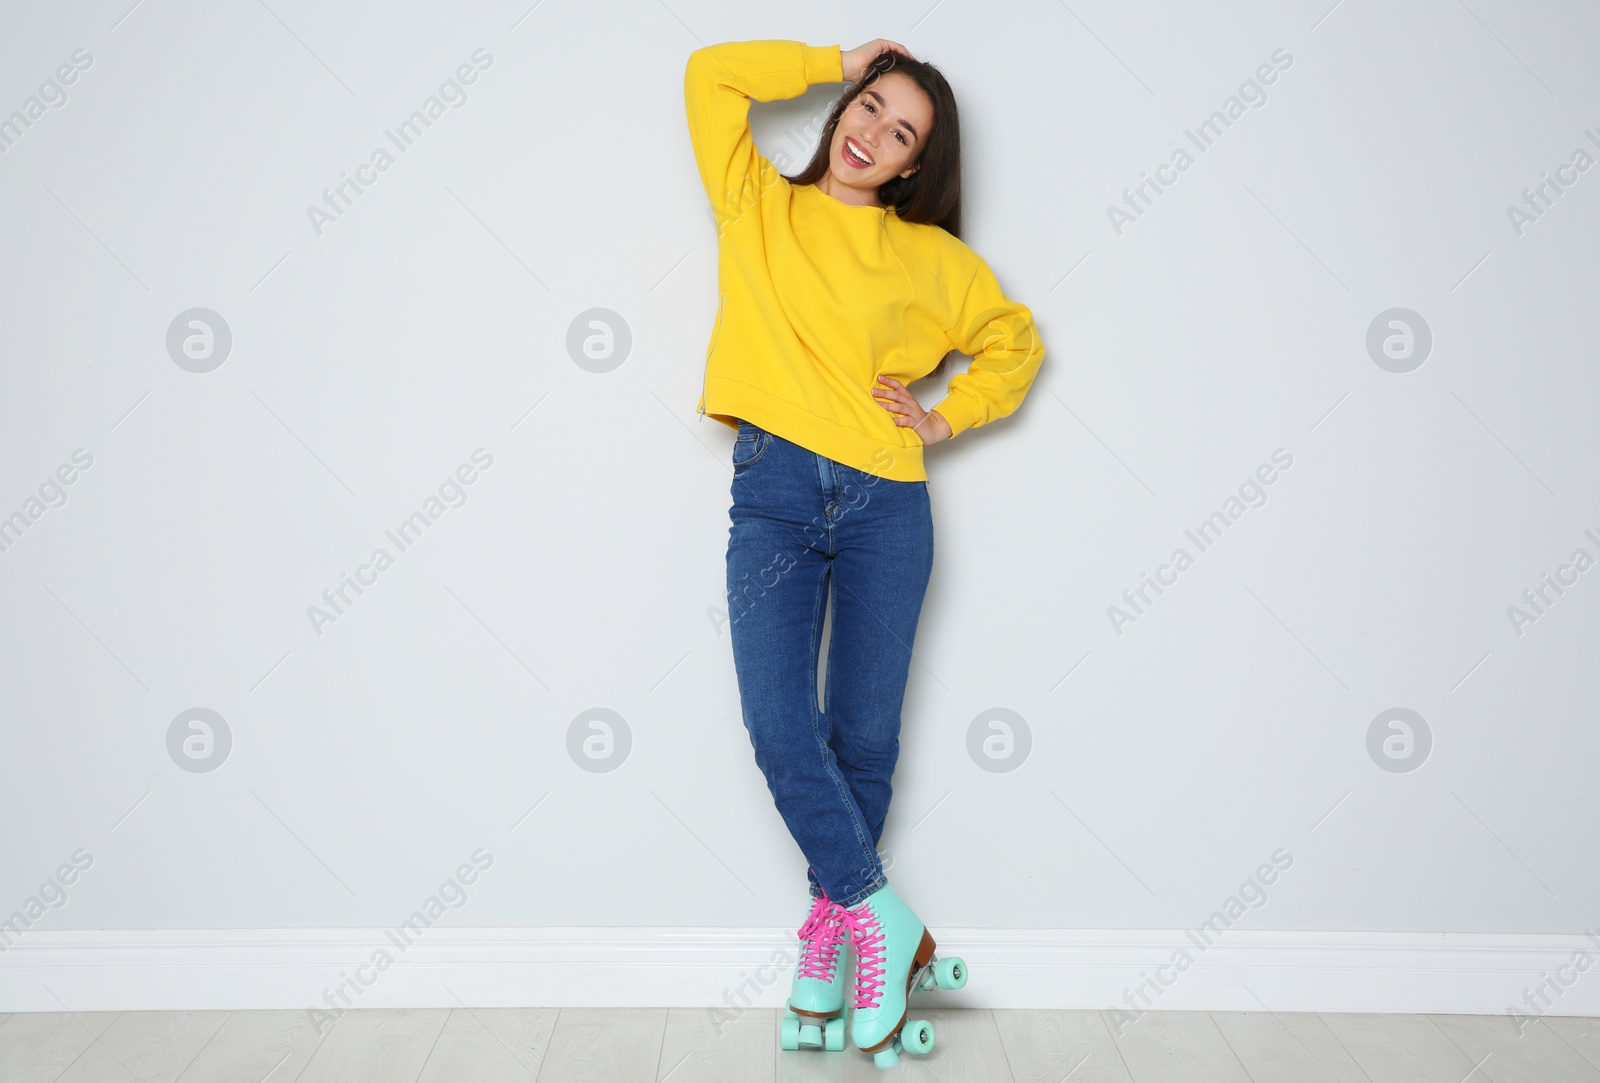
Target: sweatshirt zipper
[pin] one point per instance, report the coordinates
(716, 332)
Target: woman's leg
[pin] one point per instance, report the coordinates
(779, 555)
(884, 561)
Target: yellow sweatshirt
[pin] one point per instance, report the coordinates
(818, 297)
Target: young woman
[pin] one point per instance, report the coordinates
(840, 286)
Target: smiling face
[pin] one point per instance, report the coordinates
(888, 124)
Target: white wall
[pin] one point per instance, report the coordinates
(583, 568)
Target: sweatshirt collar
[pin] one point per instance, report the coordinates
(851, 207)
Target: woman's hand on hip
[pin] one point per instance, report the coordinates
(855, 61)
(930, 425)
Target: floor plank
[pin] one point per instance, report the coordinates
(1538, 1055)
(39, 1046)
(263, 1046)
(1399, 1048)
(719, 1045)
(847, 1065)
(1581, 1034)
(152, 1047)
(1287, 1047)
(491, 1045)
(376, 1045)
(605, 1043)
(1049, 1045)
(1161, 1046)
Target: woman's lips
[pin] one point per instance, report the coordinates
(848, 156)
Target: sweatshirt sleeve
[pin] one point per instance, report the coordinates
(718, 85)
(1000, 337)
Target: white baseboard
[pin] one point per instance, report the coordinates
(186, 969)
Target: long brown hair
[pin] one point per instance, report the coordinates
(931, 195)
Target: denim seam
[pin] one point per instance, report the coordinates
(829, 474)
(763, 442)
(839, 784)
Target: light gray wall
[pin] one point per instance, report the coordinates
(1170, 757)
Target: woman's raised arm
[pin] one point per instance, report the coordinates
(719, 83)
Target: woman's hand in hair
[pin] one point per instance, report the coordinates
(857, 60)
(930, 425)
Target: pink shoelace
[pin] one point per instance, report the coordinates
(867, 938)
(821, 933)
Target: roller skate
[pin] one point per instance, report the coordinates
(894, 951)
(814, 1015)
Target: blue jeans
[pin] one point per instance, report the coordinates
(799, 520)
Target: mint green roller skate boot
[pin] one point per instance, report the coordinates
(814, 1016)
(894, 951)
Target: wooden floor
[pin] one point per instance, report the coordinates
(684, 1045)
